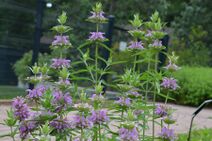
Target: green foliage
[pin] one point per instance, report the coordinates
(192, 50)
(195, 83)
(197, 135)
(21, 67)
(192, 41)
(9, 92)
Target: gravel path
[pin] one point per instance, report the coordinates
(182, 115)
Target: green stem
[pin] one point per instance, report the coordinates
(146, 100)
(100, 133)
(82, 134)
(96, 56)
(167, 98)
(11, 130)
(135, 62)
(154, 100)
(96, 63)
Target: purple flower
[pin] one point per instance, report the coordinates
(60, 124)
(157, 43)
(60, 40)
(36, 92)
(96, 97)
(167, 134)
(60, 63)
(169, 83)
(59, 97)
(172, 67)
(97, 16)
(81, 122)
(149, 33)
(128, 134)
(136, 45)
(64, 82)
(21, 110)
(161, 111)
(99, 117)
(94, 36)
(26, 127)
(124, 101)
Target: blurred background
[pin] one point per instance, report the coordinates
(25, 27)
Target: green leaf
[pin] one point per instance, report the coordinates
(62, 18)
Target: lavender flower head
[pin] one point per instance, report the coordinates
(97, 36)
(61, 98)
(81, 122)
(60, 63)
(124, 101)
(96, 97)
(26, 127)
(63, 82)
(99, 117)
(36, 92)
(21, 110)
(161, 111)
(60, 124)
(149, 33)
(136, 45)
(128, 134)
(157, 44)
(169, 83)
(172, 67)
(60, 40)
(97, 16)
(167, 134)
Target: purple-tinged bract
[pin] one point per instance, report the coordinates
(167, 134)
(60, 63)
(60, 40)
(26, 127)
(21, 109)
(169, 83)
(128, 134)
(99, 116)
(161, 110)
(136, 45)
(36, 92)
(60, 124)
(97, 36)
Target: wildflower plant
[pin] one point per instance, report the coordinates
(50, 110)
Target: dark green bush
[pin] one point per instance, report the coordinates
(195, 83)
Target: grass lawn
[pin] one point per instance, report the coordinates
(9, 92)
(197, 135)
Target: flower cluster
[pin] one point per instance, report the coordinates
(58, 63)
(60, 124)
(57, 107)
(26, 127)
(99, 116)
(21, 109)
(36, 92)
(136, 45)
(81, 122)
(167, 134)
(128, 134)
(96, 36)
(123, 101)
(169, 83)
(60, 40)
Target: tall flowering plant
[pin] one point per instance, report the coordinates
(49, 111)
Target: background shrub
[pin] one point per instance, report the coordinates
(195, 83)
